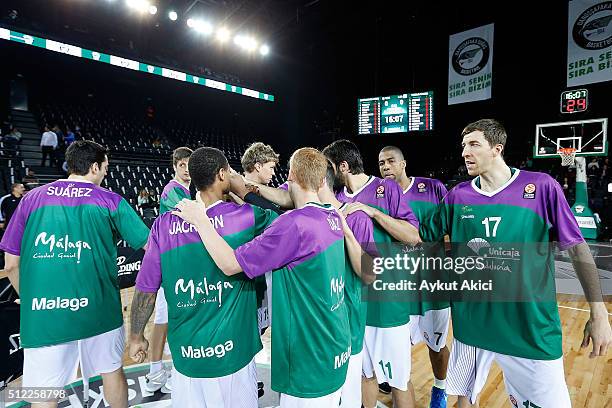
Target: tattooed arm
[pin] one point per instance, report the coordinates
(143, 304)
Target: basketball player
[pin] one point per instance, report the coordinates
(505, 205)
(362, 228)
(386, 357)
(173, 192)
(213, 331)
(311, 342)
(258, 163)
(61, 256)
(423, 195)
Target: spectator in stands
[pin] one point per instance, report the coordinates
(31, 181)
(594, 164)
(77, 132)
(11, 140)
(48, 144)
(144, 199)
(10, 202)
(156, 142)
(258, 163)
(69, 137)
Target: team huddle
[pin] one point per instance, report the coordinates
(244, 255)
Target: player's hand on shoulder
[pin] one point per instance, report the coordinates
(356, 206)
(598, 331)
(191, 211)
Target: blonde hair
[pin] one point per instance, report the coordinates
(309, 167)
(257, 153)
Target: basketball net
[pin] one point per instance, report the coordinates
(568, 155)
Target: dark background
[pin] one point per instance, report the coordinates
(325, 55)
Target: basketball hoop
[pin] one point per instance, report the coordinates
(568, 155)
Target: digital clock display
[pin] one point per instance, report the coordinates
(574, 101)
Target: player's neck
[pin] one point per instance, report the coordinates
(301, 198)
(494, 178)
(84, 179)
(404, 181)
(327, 197)
(178, 180)
(355, 182)
(211, 196)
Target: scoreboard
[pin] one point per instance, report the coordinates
(396, 113)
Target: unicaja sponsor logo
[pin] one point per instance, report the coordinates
(63, 247)
(73, 304)
(218, 351)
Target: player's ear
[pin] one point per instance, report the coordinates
(499, 148)
(343, 167)
(258, 166)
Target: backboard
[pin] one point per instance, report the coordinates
(589, 137)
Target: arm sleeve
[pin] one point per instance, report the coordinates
(399, 208)
(436, 226)
(11, 241)
(363, 229)
(259, 201)
(129, 225)
(276, 247)
(149, 278)
(564, 227)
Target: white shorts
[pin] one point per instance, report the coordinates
(327, 401)
(56, 366)
(161, 308)
(529, 383)
(387, 354)
(237, 390)
(432, 328)
(351, 390)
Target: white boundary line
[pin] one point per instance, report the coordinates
(581, 310)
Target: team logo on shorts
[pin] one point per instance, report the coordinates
(529, 191)
(471, 56)
(593, 28)
(513, 401)
(380, 192)
(422, 187)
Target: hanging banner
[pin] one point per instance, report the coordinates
(589, 42)
(470, 65)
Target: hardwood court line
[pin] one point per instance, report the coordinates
(581, 310)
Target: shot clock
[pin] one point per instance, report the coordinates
(574, 101)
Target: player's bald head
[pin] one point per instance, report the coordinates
(393, 150)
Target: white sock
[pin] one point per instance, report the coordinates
(155, 366)
(441, 384)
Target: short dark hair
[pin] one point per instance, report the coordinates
(180, 153)
(82, 154)
(393, 149)
(204, 165)
(345, 150)
(492, 130)
(330, 176)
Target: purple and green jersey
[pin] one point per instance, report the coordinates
(171, 195)
(212, 318)
(311, 339)
(66, 234)
(511, 228)
(386, 196)
(363, 229)
(423, 196)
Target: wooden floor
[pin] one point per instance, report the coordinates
(589, 381)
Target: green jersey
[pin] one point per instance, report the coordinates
(212, 318)
(66, 235)
(171, 195)
(311, 339)
(510, 229)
